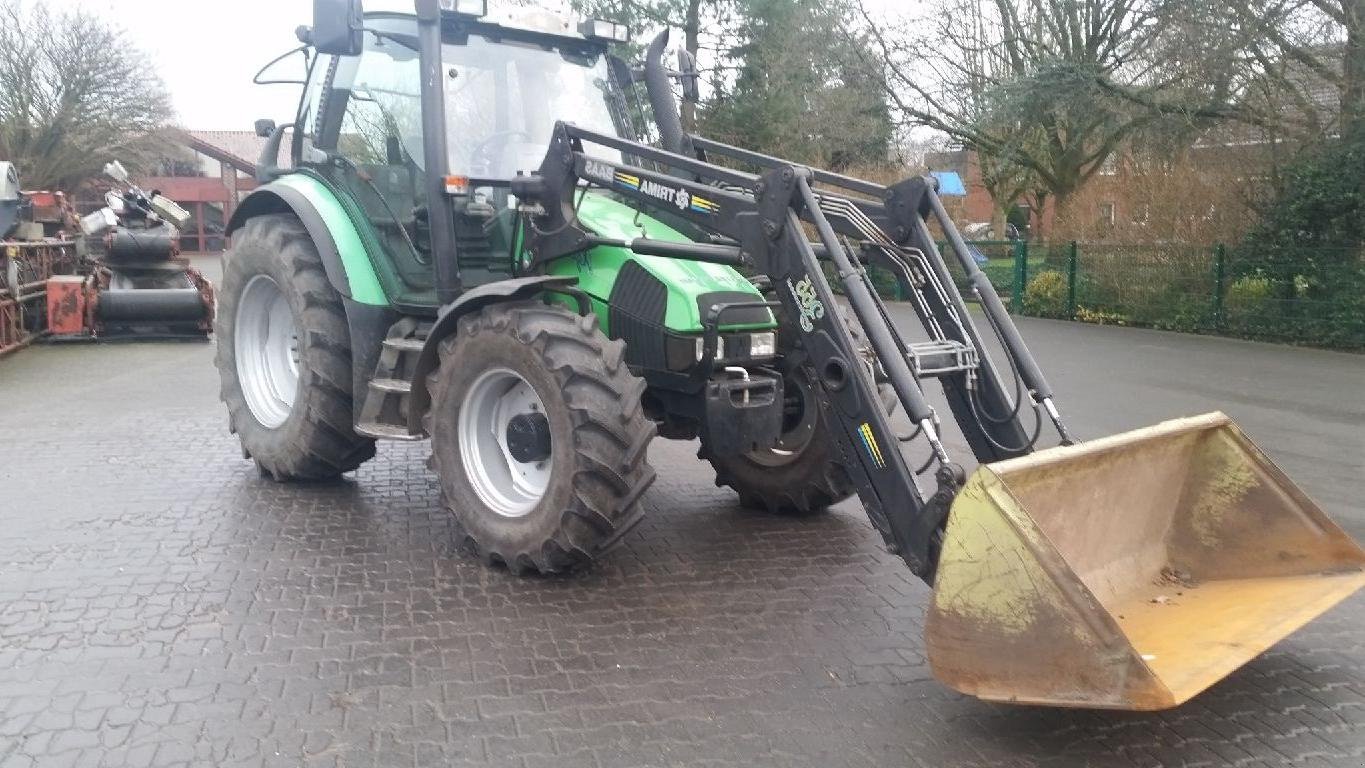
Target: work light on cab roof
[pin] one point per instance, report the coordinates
(603, 29)
(466, 7)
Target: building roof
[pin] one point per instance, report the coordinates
(240, 149)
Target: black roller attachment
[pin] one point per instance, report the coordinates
(152, 306)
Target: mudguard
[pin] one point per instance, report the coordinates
(336, 237)
(473, 300)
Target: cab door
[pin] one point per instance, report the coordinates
(369, 122)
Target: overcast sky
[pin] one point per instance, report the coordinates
(207, 51)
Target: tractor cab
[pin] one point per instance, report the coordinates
(499, 87)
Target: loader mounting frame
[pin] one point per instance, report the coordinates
(758, 223)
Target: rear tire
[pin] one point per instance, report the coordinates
(284, 355)
(557, 491)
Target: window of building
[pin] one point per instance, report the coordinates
(190, 241)
(1107, 214)
(204, 232)
(212, 227)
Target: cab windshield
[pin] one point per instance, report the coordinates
(502, 101)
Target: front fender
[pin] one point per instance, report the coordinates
(335, 236)
(473, 300)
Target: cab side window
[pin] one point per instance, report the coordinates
(379, 140)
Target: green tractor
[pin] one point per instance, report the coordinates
(382, 289)
(471, 245)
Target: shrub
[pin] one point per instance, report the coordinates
(1098, 317)
(1248, 296)
(1045, 295)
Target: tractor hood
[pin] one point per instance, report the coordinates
(634, 284)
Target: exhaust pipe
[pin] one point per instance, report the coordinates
(661, 100)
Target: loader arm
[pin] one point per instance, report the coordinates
(758, 221)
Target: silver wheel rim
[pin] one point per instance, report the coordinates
(267, 351)
(508, 487)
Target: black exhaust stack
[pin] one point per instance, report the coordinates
(661, 100)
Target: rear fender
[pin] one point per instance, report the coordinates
(473, 300)
(344, 257)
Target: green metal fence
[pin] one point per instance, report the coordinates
(1312, 296)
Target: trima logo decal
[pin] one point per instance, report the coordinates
(702, 205)
(599, 171)
(679, 197)
(870, 444)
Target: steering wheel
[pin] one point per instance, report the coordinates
(478, 157)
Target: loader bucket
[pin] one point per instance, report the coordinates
(1131, 572)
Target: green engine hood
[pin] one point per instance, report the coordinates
(686, 281)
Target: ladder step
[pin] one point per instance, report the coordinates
(396, 386)
(387, 432)
(405, 345)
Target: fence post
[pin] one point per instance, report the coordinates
(1020, 276)
(1073, 257)
(1220, 258)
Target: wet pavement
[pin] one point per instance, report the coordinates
(161, 604)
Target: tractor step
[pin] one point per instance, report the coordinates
(404, 345)
(930, 359)
(386, 432)
(384, 414)
(397, 386)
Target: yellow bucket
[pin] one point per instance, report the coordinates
(1131, 572)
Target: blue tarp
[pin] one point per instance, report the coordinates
(950, 183)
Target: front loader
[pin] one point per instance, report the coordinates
(472, 246)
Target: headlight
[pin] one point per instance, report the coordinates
(763, 345)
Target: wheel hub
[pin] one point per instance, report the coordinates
(528, 437)
(505, 442)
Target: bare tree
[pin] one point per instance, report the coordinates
(73, 96)
(1307, 63)
(1026, 83)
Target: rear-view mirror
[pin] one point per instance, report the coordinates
(337, 26)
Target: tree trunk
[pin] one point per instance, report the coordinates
(692, 30)
(1065, 222)
(1041, 228)
(1000, 220)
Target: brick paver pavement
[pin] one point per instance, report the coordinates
(161, 604)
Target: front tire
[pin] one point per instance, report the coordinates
(538, 437)
(800, 475)
(284, 355)
(803, 474)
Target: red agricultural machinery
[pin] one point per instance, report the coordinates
(114, 274)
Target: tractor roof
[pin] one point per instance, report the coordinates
(521, 19)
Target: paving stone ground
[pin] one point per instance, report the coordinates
(161, 604)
